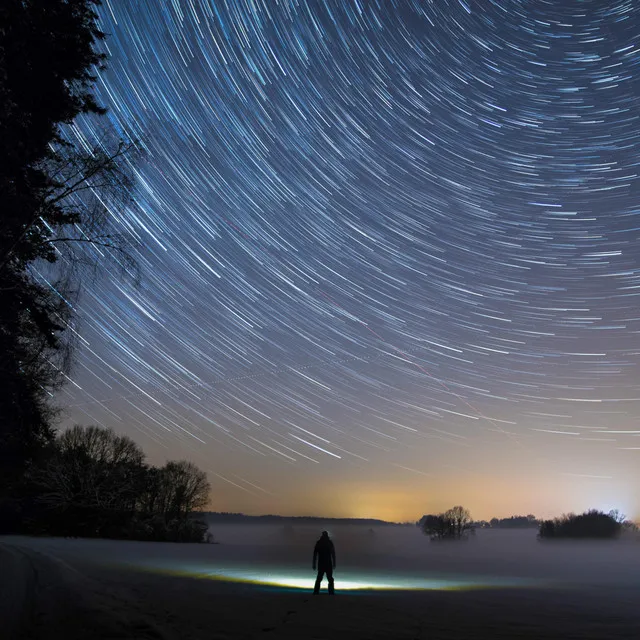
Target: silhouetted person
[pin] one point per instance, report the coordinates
(324, 552)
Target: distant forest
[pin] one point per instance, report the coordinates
(515, 522)
(221, 517)
(216, 517)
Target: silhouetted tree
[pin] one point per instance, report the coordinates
(53, 196)
(184, 488)
(433, 526)
(102, 446)
(31, 365)
(453, 524)
(172, 496)
(459, 521)
(96, 483)
(92, 481)
(47, 60)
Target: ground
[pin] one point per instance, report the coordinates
(493, 587)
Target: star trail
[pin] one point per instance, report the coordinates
(389, 250)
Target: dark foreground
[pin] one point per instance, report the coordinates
(79, 589)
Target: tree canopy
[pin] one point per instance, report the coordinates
(48, 61)
(97, 483)
(590, 524)
(52, 193)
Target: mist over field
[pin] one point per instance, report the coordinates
(373, 555)
(391, 582)
(381, 551)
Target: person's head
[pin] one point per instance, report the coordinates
(325, 534)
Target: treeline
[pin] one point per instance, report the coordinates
(241, 518)
(515, 522)
(95, 483)
(456, 524)
(592, 524)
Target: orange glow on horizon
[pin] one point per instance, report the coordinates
(486, 497)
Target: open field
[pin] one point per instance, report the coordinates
(390, 582)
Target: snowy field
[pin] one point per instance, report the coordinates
(391, 582)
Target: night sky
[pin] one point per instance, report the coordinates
(390, 253)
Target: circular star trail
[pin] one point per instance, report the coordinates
(388, 248)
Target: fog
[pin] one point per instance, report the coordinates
(378, 557)
(391, 581)
(405, 550)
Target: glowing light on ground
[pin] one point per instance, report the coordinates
(345, 581)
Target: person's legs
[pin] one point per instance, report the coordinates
(330, 578)
(316, 588)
